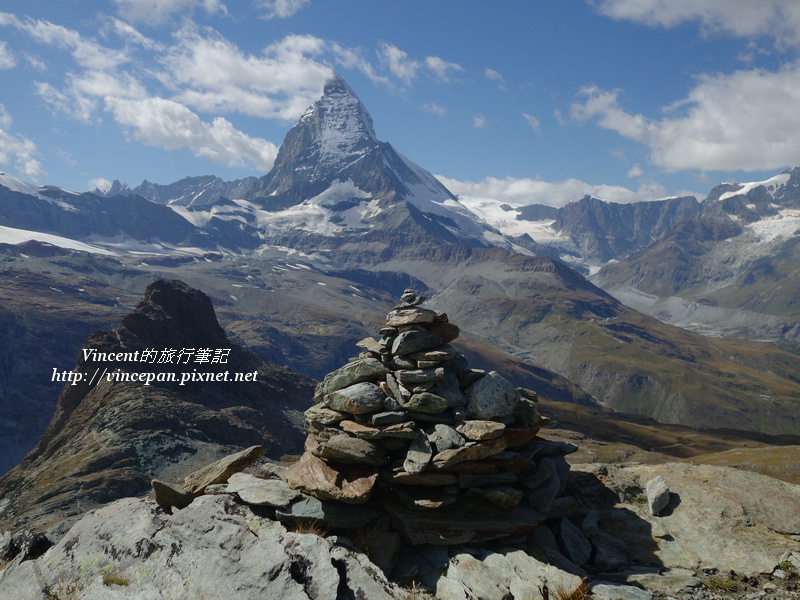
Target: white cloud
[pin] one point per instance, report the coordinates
(523, 191)
(211, 74)
(87, 53)
(281, 8)
(18, 150)
(635, 171)
(170, 125)
(99, 183)
(441, 68)
(745, 120)
(155, 12)
(7, 59)
(493, 75)
(479, 121)
(533, 122)
(435, 109)
(778, 19)
(398, 62)
(351, 58)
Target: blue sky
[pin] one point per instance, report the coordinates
(522, 100)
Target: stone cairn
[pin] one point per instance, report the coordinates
(407, 430)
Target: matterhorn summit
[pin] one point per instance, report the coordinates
(333, 161)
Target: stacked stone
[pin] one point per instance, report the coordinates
(449, 453)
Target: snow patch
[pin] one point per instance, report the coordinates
(772, 184)
(10, 235)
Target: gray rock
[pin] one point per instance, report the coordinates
(399, 393)
(503, 496)
(323, 415)
(615, 591)
(351, 450)
(419, 454)
(576, 547)
(365, 369)
(425, 402)
(261, 492)
(445, 437)
(410, 316)
(481, 430)
(357, 399)
(219, 471)
(448, 387)
(214, 548)
(409, 342)
(511, 572)
(657, 495)
(411, 377)
(723, 518)
(329, 513)
(168, 494)
(388, 417)
(543, 485)
(491, 396)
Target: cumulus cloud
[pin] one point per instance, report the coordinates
(99, 183)
(635, 171)
(211, 74)
(7, 59)
(777, 19)
(740, 121)
(524, 191)
(533, 122)
(493, 75)
(441, 68)
(170, 125)
(398, 62)
(281, 8)
(479, 121)
(435, 109)
(156, 12)
(87, 53)
(18, 150)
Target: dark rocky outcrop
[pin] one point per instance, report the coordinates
(111, 434)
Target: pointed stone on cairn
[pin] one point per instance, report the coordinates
(449, 453)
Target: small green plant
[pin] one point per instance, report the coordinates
(115, 579)
(721, 583)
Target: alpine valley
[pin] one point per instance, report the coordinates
(681, 311)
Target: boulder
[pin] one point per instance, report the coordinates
(356, 399)
(491, 396)
(261, 492)
(219, 471)
(343, 448)
(314, 476)
(365, 369)
(657, 494)
(168, 494)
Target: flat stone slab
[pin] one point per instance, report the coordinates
(332, 514)
(469, 520)
(314, 476)
(221, 470)
(261, 492)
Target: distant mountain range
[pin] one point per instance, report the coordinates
(304, 261)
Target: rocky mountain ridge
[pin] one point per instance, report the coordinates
(113, 430)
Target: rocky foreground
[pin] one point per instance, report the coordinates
(424, 478)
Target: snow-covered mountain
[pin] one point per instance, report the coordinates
(733, 269)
